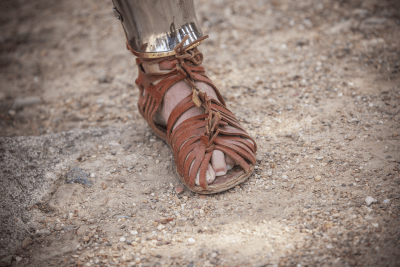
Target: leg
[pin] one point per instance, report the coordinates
(155, 29)
(157, 26)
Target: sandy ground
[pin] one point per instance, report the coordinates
(317, 83)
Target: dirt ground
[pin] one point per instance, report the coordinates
(316, 83)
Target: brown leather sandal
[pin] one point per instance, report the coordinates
(193, 140)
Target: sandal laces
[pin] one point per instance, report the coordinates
(183, 55)
(199, 97)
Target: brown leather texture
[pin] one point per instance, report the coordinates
(194, 139)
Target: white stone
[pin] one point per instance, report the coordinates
(191, 241)
(122, 239)
(43, 232)
(369, 200)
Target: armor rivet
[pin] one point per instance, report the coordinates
(117, 14)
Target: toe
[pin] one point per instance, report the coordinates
(218, 163)
(210, 176)
(230, 163)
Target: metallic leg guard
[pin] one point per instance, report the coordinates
(154, 28)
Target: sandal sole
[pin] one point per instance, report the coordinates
(239, 177)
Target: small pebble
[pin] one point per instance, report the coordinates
(318, 178)
(179, 190)
(27, 101)
(369, 200)
(27, 242)
(191, 241)
(146, 190)
(77, 175)
(122, 239)
(43, 232)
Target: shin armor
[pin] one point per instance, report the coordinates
(153, 28)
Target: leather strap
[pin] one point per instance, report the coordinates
(194, 139)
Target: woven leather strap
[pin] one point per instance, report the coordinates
(194, 139)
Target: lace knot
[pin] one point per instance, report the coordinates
(199, 97)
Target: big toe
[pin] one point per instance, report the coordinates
(210, 176)
(218, 163)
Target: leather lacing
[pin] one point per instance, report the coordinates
(194, 140)
(199, 97)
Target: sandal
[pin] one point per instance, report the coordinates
(194, 139)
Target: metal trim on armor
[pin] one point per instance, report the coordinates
(157, 27)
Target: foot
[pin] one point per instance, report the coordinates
(220, 163)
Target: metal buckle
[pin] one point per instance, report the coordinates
(117, 14)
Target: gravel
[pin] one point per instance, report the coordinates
(301, 86)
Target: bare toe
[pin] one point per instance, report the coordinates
(230, 163)
(210, 176)
(218, 163)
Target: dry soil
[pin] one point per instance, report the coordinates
(316, 83)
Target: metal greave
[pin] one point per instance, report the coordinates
(157, 26)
